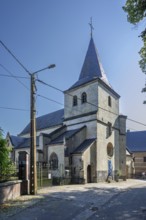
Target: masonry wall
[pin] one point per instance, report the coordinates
(90, 159)
(10, 190)
(91, 90)
(122, 148)
(89, 121)
(76, 140)
(107, 114)
(59, 150)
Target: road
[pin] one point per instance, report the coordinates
(130, 204)
(87, 202)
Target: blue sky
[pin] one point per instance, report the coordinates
(50, 31)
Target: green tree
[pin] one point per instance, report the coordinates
(136, 12)
(7, 167)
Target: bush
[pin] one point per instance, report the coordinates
(7, 167)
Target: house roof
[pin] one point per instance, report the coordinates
(92, 68)
(83, 146)
(46, 121)
(136, 141)
(19, 142)
(66, 135)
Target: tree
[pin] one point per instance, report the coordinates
(7, 167)
(136, 12)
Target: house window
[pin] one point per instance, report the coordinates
(109, 129)
(144, 159)
(109, 101)
(53, 161)
(84, 97)
(75, 100)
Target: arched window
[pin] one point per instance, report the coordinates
(75, 100)
(109, 101)
(53, 161)
(84, 97)
(110, 150)
(109, 130)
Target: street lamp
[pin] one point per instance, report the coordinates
(33, 170)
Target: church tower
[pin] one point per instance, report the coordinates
(92, 102)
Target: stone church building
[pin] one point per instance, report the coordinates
(85, 140)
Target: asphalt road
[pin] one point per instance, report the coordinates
(129, 204)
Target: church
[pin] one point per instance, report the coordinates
(86, 140)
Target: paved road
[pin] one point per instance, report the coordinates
(130, 204)
(90, 201)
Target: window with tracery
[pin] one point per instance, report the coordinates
(84, 97)
(53, 161)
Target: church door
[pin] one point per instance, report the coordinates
(89, 174)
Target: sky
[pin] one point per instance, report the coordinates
(44, 32)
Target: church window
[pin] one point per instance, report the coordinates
(109, 101)
(84, 97)
(110, 150)
(109, 129)
(75, 100)
(70, 160)
(53, 161)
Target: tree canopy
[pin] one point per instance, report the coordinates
(136, 12)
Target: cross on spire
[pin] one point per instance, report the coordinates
(91, 26)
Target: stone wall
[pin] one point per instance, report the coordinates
(107, 114)
(10, 190)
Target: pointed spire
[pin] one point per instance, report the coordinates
(92, 68)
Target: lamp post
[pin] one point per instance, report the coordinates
(33, 170)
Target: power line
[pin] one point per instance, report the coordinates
(11, 75)
(52, 100)
(14, 76)
(136, 121)
(90, 102)
(16, 59)
(16, 109)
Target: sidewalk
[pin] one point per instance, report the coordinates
(92, 195)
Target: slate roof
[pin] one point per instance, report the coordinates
(19, 142)
(83, 146)
(46, 121)
(66, 135)
(136, 141)
(92, 68)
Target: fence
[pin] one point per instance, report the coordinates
(45, 178)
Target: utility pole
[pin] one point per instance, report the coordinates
(33, 168)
